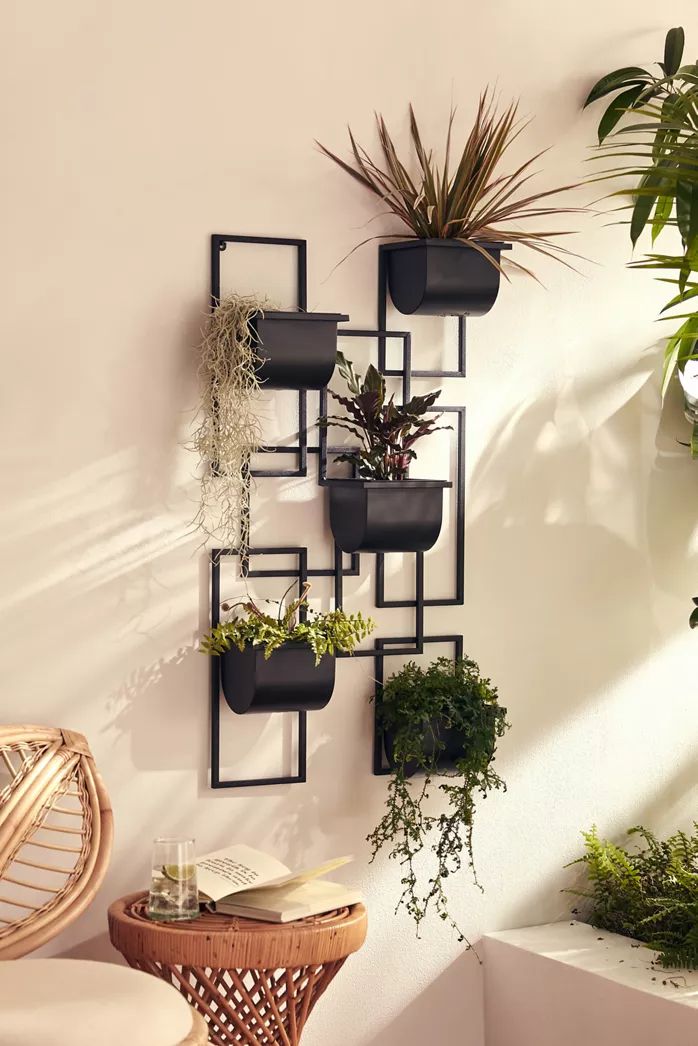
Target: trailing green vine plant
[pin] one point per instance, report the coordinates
(658, 149)
(228, 430)
(324, 633)
(387, 431)
(650, 893)
(446, 710)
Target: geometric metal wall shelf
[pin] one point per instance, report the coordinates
(257, 560)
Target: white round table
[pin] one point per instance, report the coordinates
(75, 1002)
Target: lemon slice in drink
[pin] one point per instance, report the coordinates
(178, 873)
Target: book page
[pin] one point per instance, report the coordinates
(236, 868)
(292, 901)
(296, 878)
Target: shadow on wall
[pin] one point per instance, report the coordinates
(571, 529)
(449, 1009)
(551, 903)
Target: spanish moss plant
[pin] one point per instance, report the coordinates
(324, 633)
(228, 431)
(421, 712)
(650, 893)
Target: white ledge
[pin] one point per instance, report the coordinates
(568, 983)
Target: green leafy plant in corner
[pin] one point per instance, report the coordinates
(324, 633)
(387, 431)
(657, 148)
(650, 893)
(475, 201)
(420, 711)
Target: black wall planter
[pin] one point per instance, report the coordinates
(442, 277)
(288, 681)
(369, 515)
(451, 738)
(297, 349)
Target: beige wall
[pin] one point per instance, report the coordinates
(131, 131)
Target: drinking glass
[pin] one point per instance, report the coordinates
(173, 892)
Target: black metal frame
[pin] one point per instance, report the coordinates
(383, 651)
(383, 647)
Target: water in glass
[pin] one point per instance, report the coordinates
(173, 892)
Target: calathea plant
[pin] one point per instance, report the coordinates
(387, 431)
(228, 430)
(323, 633)
(649, 893)
(649, 134)
(442, 722)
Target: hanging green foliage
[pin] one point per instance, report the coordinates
(447, 709)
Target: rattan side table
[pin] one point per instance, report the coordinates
(254, 982)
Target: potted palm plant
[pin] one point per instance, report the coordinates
(459, 220)
(441, 723)
(648, 135)
(246, 346)
(382, 510)
(284, 661)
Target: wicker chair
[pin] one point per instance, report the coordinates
(55, 842)
(55, 834)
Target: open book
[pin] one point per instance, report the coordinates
(240, 880)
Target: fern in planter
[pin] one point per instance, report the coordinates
(323, 633)
(443, 722)
(650, 893)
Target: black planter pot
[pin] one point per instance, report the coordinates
(297, 350)
(442, 277)
(288, 681)
(374, 515)
(451, 738)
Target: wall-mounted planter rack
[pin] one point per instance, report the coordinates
(287, 681)
(237, 685)
(386, 515)
(442, 277)
(297, 349)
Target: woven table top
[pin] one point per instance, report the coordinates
(228, 942)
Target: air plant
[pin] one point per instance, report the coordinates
(387, 430)
(475, 203)
(228, 431)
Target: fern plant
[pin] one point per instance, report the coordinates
(650, 893)
(324, 633)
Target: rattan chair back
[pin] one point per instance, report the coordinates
(55, 834)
